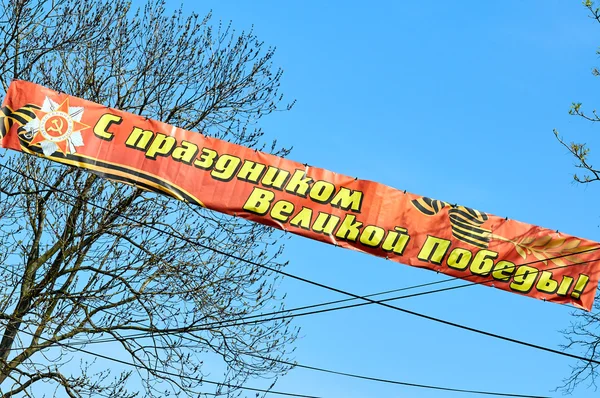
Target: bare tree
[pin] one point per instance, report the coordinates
(584, 332)
(73, 271)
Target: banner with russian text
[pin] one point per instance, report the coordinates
(308, 201)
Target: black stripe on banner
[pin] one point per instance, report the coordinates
(469, 241)
(468, 216)
(27, 110)
(422, 209)
(459, 222)
(475, 213)
(18, 118)
(437, 205)
(428, 206)
(479, 238)
(144, 180)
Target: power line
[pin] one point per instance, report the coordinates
(321, 285)
(381, 380)
(72, 345)
(251, 319)
(220, 324)
(369, 302)
(246, 320)
(167, 373)
(382, 302)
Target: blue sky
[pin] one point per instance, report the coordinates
(452, 100)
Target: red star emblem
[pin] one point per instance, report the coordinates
(57, 126)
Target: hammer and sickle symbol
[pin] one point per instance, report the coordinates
(58, 126)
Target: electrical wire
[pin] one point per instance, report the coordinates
(167, 373)
(247, 320)
(364, 303)
(289, 313)
(324, 370)
(321, 285)
(381, 380)
(220, 325)
(516, 341)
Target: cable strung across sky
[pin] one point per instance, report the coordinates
(246, 320)
(187, 333)
(321, 285)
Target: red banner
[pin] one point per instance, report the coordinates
(308, 201)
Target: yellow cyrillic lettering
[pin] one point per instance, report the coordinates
(226, 167)
(524, 279)
(161, 145)
(302, 219)
(372, 236)
(325, 223)
(546, 284)
(299, 184)
(483, 262)
(275, 177)
(185, 153)
(349, 229)
(503, 270)
(396, 240)
(348, 199)
(322, 191)
(139, 139)
(206, 159)
(565, 285)
(259, 201)
(282, 210)
(251, 171)
(105, 121)
(434, 249)
(459, 259)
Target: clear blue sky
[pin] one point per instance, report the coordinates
(452, 100)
